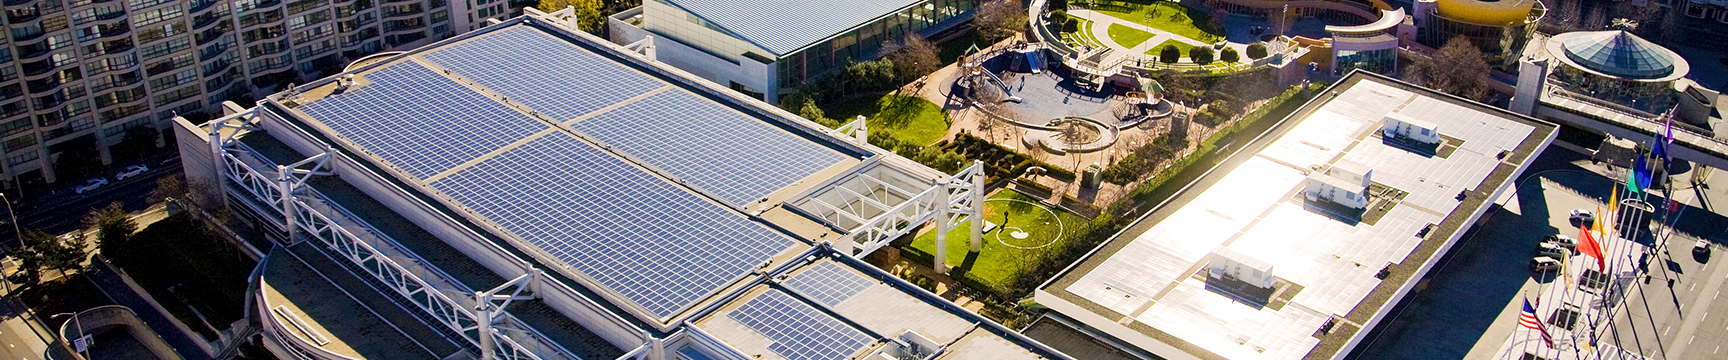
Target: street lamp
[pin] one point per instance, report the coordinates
(80, 324)
(14, 215)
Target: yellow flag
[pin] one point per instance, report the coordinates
(1613, 207)
(1602, 219)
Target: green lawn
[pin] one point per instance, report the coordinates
(1164, 15)
(911, 118)
(1179, 46)
(998, 265)
(1127, 36)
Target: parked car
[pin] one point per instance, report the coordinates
(1552, 250)
(1583, 217)
(91, 185)
(1702, 248)
(1544, 264)
(131, 171)
(1562, 241)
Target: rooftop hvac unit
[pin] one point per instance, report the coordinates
(1408, 128)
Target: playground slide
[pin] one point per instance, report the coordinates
(1036, 60)
(1003, 85)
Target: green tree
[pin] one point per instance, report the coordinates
(999, 19)
(1257, 51)
(112, 224)
(1229, 55)
(1059, 20)
(588, 15)
(1056, 5)
(869, 75)
(1200, 55)
(47, 252)
(810, 111)
(1169, 54)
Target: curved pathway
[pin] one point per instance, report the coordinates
(1101, 28)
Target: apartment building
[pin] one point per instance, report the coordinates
(77, 75)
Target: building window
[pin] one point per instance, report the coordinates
(21, 158)
(1697, 11)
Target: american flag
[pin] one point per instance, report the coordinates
(1529, 321)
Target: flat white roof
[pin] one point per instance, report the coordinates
(1149, 281)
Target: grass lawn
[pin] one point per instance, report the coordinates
(1167, 16)
(999, 265)
(1127, 36)
(1179, 46)
(910, 118)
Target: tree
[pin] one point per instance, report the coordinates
(999, 19)
(112, 224)
(588, 15)
(1169, 54)
(1457, 69)
(1257, 51)
(913, 57)
(1229, 55)
(1056, 5)
(47, 252)
(1059, 20)
(1200, 55)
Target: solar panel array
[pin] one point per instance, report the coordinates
(732, 155)
(548, 74)
(407, 106)
(829, 284)
(799, 331)
(657, 245)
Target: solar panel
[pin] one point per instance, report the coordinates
(828, 284)
(734, 156)
(548, 74)
(407, 106)
(799, 331)
(655, 244)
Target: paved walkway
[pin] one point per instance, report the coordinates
(1101, 28)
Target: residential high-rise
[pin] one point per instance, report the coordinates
(76, 76)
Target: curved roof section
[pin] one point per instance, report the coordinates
(1617, 53)
(1487, 12)
(784, 26)
(1388, 19)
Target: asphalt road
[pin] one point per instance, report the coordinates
(59, 209)
(1678, 313)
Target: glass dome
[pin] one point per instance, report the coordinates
(1618, 53)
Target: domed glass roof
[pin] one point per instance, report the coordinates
(1619, 53)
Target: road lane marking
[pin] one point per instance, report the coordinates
(1665, 330)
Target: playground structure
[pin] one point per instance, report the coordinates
(1019, 85)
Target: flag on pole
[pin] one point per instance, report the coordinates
(1613, 209)
(1528, 320)
(1598, 221)
(1641, 168)
(1632, 181)
(1588, 246)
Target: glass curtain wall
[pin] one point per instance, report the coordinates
(865, 42)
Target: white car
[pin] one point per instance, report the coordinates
(91, 185)
(130, 171)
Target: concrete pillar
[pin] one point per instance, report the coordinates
(1532, 81)
(978, 206)
(941, 264)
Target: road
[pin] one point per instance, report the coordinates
(21, 342)
(59, 210)
(1677, 313)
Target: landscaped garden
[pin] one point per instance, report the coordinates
(1025, 233)
(1162, 15)
(910, 118)
(1182, 46)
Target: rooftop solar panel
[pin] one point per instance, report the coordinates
(828, 284)
(548, 74)
(799, 331)
(407, 106)
(732, 155)
(653, 243)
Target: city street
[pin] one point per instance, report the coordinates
(59, 210)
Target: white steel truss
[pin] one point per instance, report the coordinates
(858, 129)
(310, 215)
(954, 197)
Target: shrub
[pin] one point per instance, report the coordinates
(810, 111)
(1200, 55)
(1229, 55)
(871, 75)
(1170, 54)
(1257, 51)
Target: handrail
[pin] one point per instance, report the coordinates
(404, 282)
